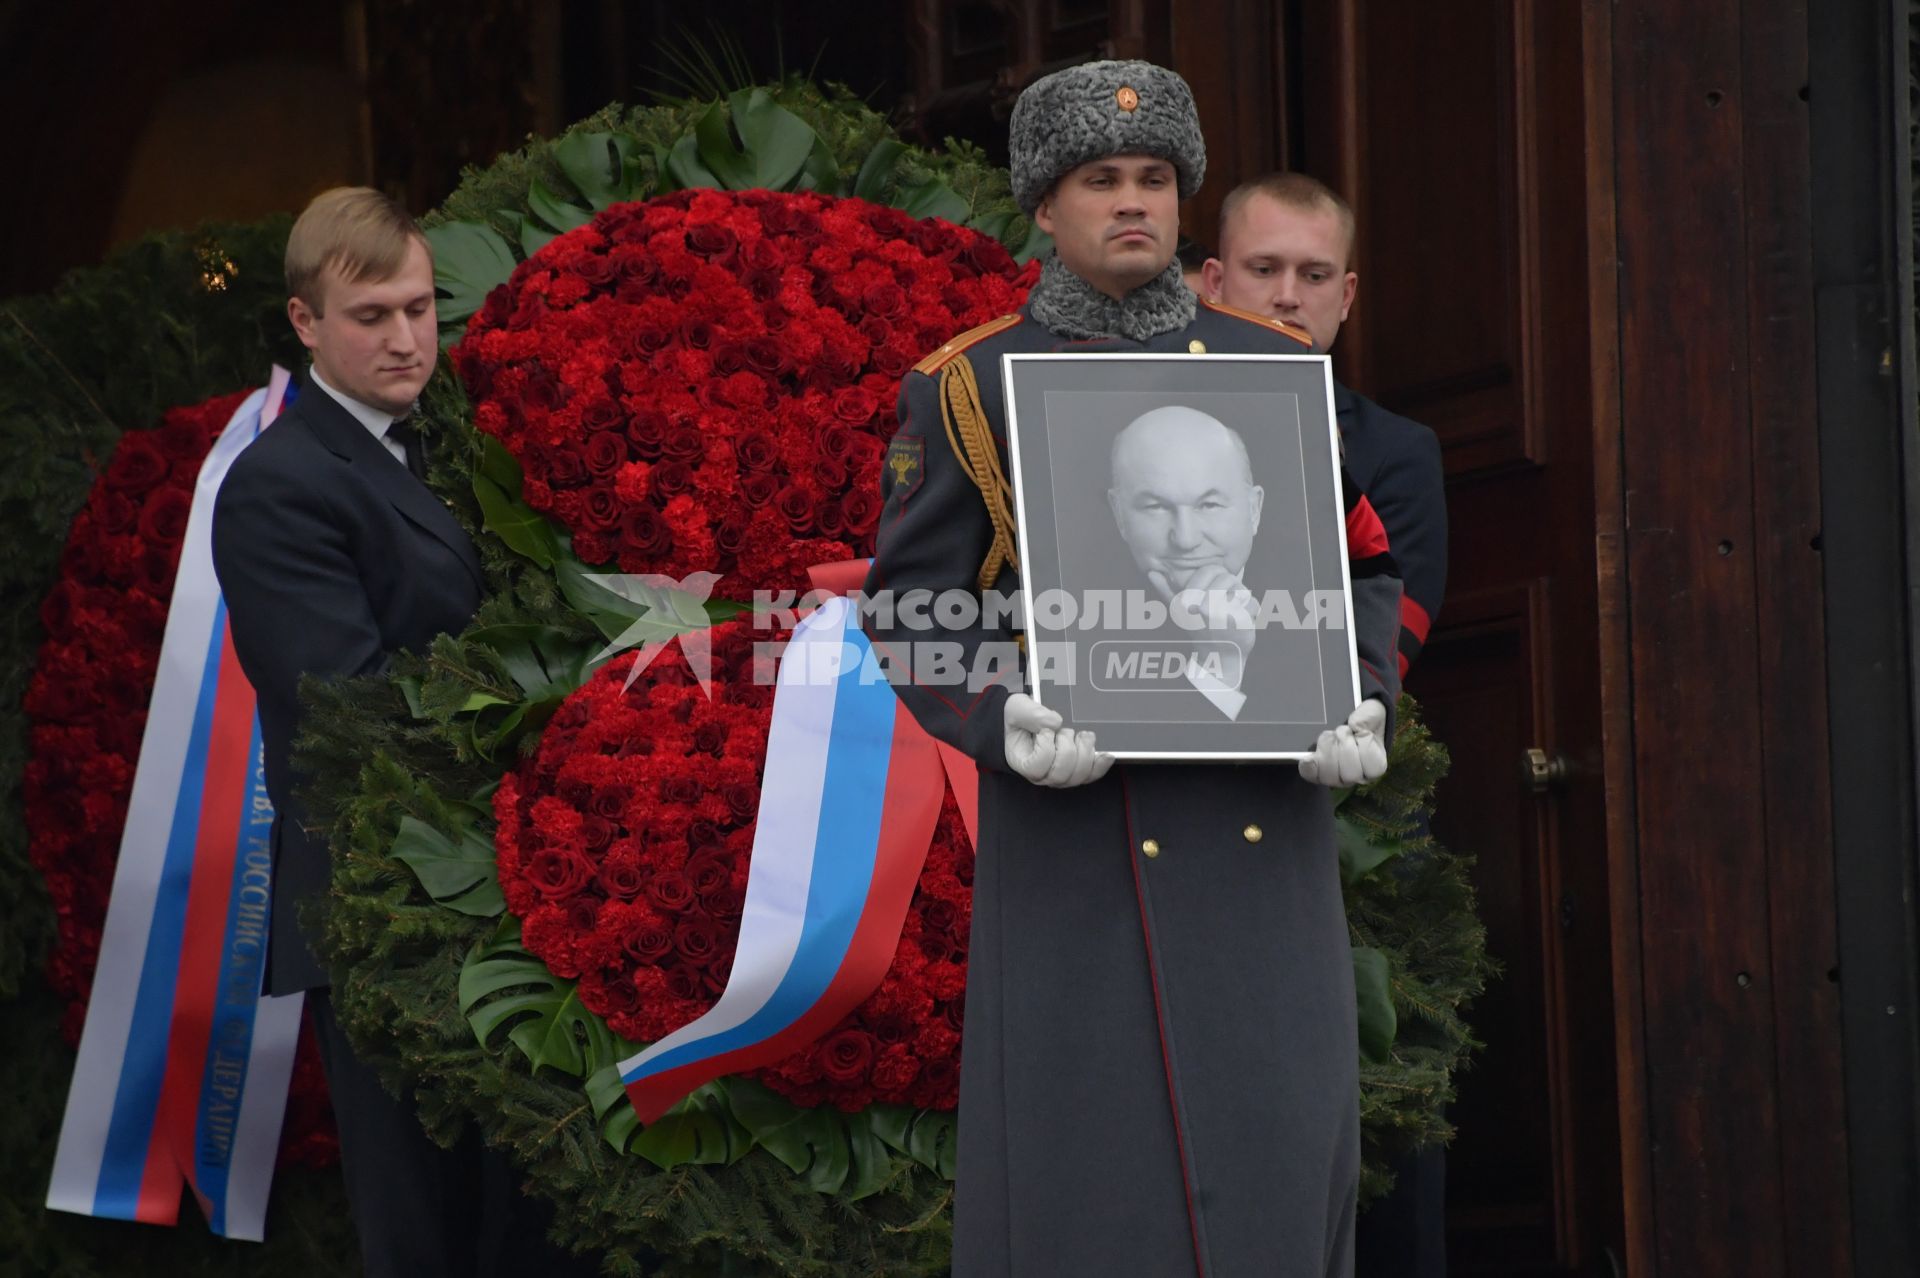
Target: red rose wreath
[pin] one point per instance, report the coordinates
(623, 848)
(87, 709)
(706, 381)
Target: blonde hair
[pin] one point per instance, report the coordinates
(361, 233)
(1297, 191)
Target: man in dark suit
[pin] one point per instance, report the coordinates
(1286, 250)
(333, 555)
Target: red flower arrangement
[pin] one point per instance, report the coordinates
(86, 706)
(706, 380)
(623, 848)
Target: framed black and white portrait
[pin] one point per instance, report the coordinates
(1183, 556)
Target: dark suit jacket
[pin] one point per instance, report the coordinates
(1396, 462)
(332, 557)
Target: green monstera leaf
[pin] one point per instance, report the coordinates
(701, 1129)
(469, 261)
(504, 988)
(601, 166)
(774, 143)
(1361, 853)
(457, 872)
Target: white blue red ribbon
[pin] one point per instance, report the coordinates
(181, 1079)
(849, 798)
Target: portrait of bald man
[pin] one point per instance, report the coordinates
(1187, 507)
(1181, 546)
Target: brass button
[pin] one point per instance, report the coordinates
(1196, 347)
(1127, 98)
(1150, 848)
(1252, 834)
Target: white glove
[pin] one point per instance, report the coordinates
(1045, 751)
(1355, 751)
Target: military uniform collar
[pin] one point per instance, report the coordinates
(1073, 308)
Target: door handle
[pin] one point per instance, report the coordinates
(1544, 773)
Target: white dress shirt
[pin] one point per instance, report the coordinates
(1227, 700)
(372, 418)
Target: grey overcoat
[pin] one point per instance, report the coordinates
(1159, 1071)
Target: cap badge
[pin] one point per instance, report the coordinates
(1127, 98)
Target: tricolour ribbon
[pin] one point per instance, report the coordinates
(849, 798)
(183, 1067)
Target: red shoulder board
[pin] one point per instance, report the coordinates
(933, 363)
(1297, 333)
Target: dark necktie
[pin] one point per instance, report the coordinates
(402, 431)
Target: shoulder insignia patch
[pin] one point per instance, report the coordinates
(1294, 331)
(933, 363)
(906, 465)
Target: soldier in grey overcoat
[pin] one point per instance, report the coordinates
(1159, 1072)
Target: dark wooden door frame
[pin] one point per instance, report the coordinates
(1870, 475)
(1757, 487)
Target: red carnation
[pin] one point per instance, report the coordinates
(896, 1069)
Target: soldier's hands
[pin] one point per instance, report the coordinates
(1041, 748)
(1355, 751)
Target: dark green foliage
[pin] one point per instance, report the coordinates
(850, 129)
(1417, 907)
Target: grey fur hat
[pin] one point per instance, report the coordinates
(1099, 109)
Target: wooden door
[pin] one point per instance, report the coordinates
(1457, 132)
